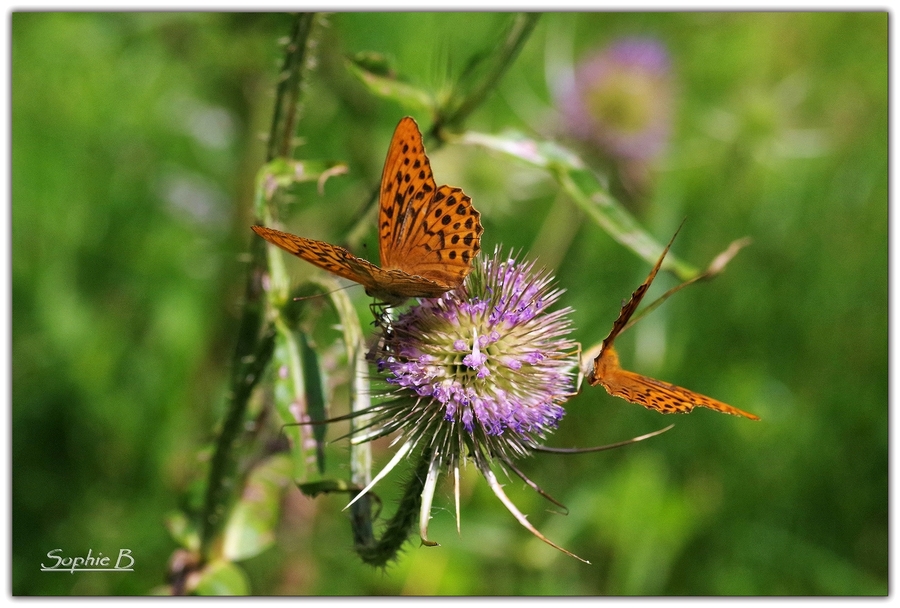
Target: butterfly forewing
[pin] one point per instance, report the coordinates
(631, 306)
(424, 230)
(407, 185)
(324, 255)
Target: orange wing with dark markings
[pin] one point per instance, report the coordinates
(425, 230)
(653, 394)
(428, 236)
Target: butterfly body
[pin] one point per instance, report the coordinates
(428, 235)
(663, 397)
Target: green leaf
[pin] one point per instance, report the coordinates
(382, 81)
(184, 530)
(586, 190)
(288, 387)
(360, 400)
(360, 454)
(222, 578)
(251, 526)
(375, 63)
(316, 404)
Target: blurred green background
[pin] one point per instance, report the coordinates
(135, 139)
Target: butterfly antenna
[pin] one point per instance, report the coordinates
(349, 416)
(324, 293)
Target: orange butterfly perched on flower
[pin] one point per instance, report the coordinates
(653, 394)
(427, 235)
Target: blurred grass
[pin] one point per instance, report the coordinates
(135, 141)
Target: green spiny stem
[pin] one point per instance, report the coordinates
(284, 120)
(497, 63)
(379, 553)
(255, 341)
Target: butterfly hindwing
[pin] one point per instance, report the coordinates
(448, 239)
(654, 394)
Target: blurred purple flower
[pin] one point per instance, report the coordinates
(620, 99)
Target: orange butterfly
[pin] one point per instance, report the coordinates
(653, 394)
(427, 236)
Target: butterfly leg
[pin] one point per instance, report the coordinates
(382, 320)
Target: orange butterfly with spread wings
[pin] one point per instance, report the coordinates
(651, 393)
(428, 236)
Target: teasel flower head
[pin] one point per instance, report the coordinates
(620, 99)
(480, 373)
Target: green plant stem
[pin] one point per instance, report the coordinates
(255, 341)
(516, 35)
(397, 531)
(456, 110)
(284, 120)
